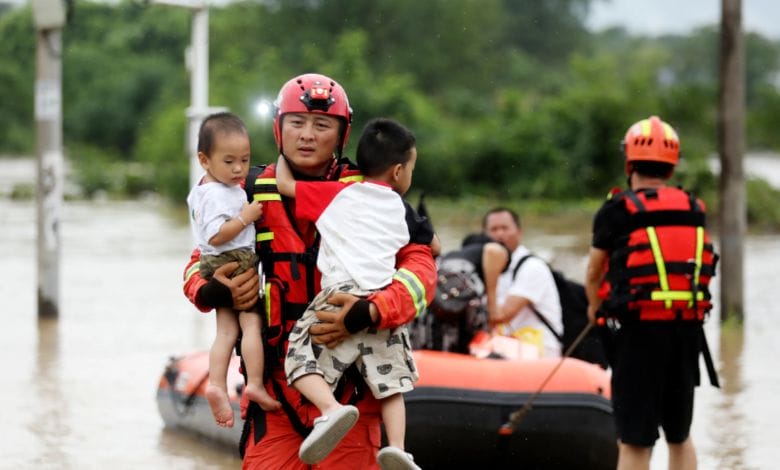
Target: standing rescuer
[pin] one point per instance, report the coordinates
(650, 265)
(311, 127)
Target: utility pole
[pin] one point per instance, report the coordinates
(49, 18)
(199, 85)
(197, 59)
(731, 146)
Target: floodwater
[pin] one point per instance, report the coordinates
(79, 392)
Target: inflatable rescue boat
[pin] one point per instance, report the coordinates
(181, 398)
(455, 412)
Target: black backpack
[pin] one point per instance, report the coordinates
(456, 292)
(574, 308)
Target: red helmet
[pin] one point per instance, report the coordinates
(313, 93)
(652, 140)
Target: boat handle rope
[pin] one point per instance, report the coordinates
(516, 416)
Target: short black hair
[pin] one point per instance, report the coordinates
(652, 168)
(475, 238)
(223, 122)
(496, 210)
(384, 143)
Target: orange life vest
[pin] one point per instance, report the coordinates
(289, 262)
(664, 270)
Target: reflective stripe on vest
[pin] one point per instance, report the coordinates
(666, 295)
(268, 302)
(348, 179)
(264, 236)
(266, 190)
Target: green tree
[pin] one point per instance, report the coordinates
(17, 72)
(120, 63)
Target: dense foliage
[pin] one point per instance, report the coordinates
(508, 98)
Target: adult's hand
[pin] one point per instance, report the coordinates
(332, 331)
(243, 287)
(355, 314)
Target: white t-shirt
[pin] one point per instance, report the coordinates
(534, 282)
(363, 225)
(211, 205)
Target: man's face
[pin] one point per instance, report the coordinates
(309, 141)
(501, 227)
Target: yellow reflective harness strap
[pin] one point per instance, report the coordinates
(267, 303)
(264, 236)
(663, 280)
(266, 196)
(699, 252)
(415, 288)
(671, 295)
(347, 179)
(193, 269)
(262, 197)
(666, 295)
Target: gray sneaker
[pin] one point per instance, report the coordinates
(393, 458)
(328, 431)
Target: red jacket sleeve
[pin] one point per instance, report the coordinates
(192, 280)
(412, 288)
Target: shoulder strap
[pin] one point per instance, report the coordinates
(517, 266)
(547, 324)
(251, 178)
(541, 317)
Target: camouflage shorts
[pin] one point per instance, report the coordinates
(383, 357)
(245, 257)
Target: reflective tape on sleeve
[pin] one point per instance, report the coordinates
(192, 270)
(415, 288)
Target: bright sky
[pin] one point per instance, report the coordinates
(681, 16)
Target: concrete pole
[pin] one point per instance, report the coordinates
(50, 164)
(199, 85)
(731, 146)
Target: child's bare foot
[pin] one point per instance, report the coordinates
(260, 396)
(220, 406)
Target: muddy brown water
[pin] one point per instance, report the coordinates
(79, 392)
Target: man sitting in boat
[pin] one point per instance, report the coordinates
(528, 304)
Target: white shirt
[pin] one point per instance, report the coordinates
(211, 205)
(534, 282)
(363, 225)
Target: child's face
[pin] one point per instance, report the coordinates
(404, 174)
(228, 161)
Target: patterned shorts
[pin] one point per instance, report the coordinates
(384, 357)
(245, 257)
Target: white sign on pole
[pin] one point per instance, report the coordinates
(48, 98)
